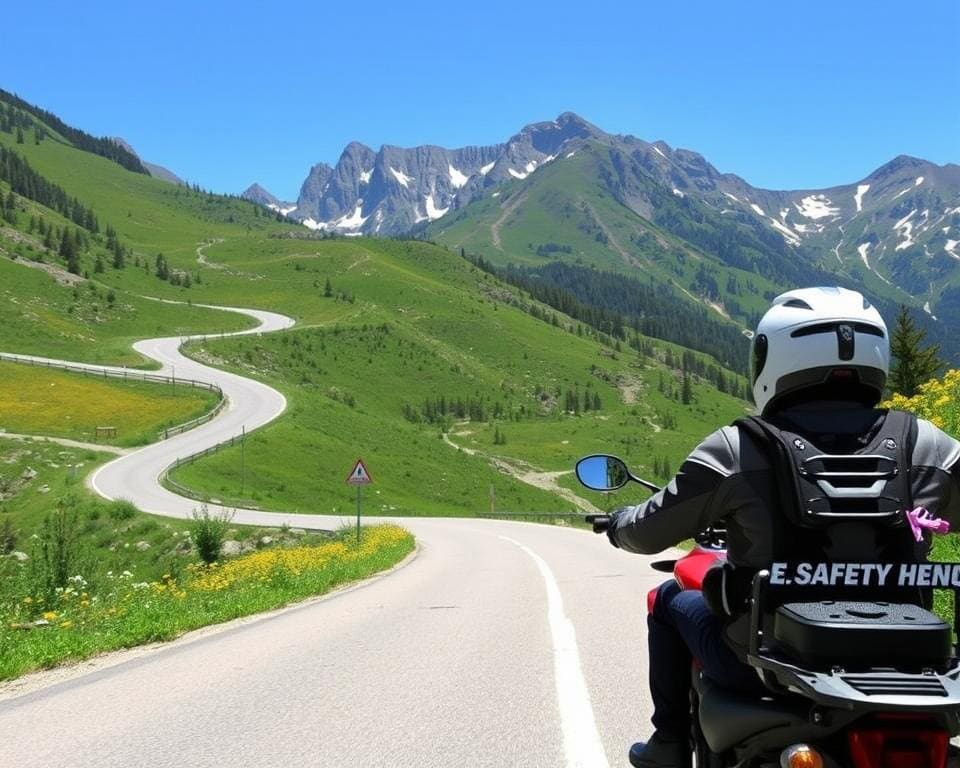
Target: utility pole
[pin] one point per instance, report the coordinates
(243, 463)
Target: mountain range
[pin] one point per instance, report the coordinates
(533, 198)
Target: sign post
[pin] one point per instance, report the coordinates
(359, 477)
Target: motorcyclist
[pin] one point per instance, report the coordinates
(820, 360)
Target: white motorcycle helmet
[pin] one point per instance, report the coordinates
(830, 339)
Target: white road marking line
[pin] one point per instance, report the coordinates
(581, 740)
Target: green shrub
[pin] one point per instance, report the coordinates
(122, 510)
(57, 551)
(208, 532)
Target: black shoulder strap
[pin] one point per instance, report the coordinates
(769, 437)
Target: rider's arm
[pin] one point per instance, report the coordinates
(691, 501)
(935, 473)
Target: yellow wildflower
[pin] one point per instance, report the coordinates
(49, 615)
(66, 624)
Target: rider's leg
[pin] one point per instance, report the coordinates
(669, 671)
(702, 632)
(669, 668)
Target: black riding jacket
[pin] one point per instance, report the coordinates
(729, 480)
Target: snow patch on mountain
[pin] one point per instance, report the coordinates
(858, 198)
(788, 234)
(816, 207)
(678, 193)
(783, 214)
(402, 178)
(487, 168)
(862, 249)
(365, 176)
(907, 234)
(918, 182)
(354, 220)
(457, 179)
(517, 174)
(951, 248)
(571, 154)
(434, 213)
(659, 152)
(758, 209)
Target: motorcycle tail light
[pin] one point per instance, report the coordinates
(800, 756)
(898, 748)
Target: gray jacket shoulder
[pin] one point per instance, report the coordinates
(719, 451)
(934, 447)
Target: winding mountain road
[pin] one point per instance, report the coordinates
(497, 644)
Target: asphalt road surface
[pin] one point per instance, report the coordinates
(497, 644)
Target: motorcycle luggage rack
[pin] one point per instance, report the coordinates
(881, 689)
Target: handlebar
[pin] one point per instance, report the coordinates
(601, 523)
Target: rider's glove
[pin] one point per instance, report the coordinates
(612, 529)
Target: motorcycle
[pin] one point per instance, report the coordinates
(858, 684)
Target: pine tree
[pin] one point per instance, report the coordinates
(68, 252)
(686, 395)
(913, 363)
(19, 135)
(328, 289)
(162, 270)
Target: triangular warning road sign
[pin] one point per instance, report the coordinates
(359, 474)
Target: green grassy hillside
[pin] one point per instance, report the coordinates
(403, 353)
(424, 325)
(565, 211)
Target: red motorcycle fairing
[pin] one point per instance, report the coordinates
(689, 571)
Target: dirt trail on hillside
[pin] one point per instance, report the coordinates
(525, 473)
(628, 258)
(202, 256)
(510, 207)
(202, 259)
(67, 443)
(55, 271)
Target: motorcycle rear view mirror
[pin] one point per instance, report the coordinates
(602, 472)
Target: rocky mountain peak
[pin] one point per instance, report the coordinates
(257, 194)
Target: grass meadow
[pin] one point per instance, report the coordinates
(57, 403)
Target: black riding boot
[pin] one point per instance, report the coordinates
(661, 752)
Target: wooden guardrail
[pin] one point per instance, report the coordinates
(530, 515)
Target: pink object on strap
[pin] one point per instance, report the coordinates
(921, 518)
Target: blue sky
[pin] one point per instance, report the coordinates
(787, 95)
